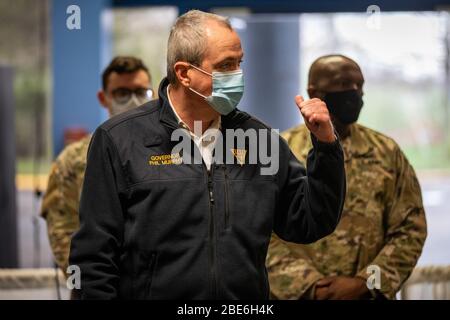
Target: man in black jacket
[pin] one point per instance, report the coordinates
(156, 225)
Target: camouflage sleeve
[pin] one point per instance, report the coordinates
(406, 231)
(60, 210)
(291, 276)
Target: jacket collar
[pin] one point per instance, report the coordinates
(166, 116)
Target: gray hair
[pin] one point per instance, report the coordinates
(187, 39)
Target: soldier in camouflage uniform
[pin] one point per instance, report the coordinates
(60, 204)
(383, 222)
(126, 84)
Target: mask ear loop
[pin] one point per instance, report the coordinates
(203, 71)
(201, 95)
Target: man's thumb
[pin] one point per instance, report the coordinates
(298, 100)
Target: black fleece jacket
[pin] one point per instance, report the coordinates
(154, 229)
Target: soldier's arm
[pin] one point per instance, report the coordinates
(405, 234)
(291, 276)
(60, 210)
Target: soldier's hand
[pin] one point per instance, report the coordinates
(341, 288)
(321, 292)
(317, 118)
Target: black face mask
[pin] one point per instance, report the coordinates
(344, 105)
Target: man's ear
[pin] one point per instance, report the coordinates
(181, 71)
(101, 96)
(314, 93)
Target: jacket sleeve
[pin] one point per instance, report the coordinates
(311, 200)
(406, 231)
(96, 247)
(291, 276)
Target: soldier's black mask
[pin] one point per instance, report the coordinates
(344, 105)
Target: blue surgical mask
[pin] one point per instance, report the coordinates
(227, 90)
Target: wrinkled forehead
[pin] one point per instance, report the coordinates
(221, 41)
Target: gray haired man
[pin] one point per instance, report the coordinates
(154, 227)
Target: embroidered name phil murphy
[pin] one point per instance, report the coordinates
(165, 159)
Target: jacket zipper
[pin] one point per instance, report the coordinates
(227, 212)
(212, 242)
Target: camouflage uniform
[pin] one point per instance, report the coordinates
(383, 221)
(61, 200)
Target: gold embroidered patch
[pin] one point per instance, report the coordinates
(239, 154)
(165, 159)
